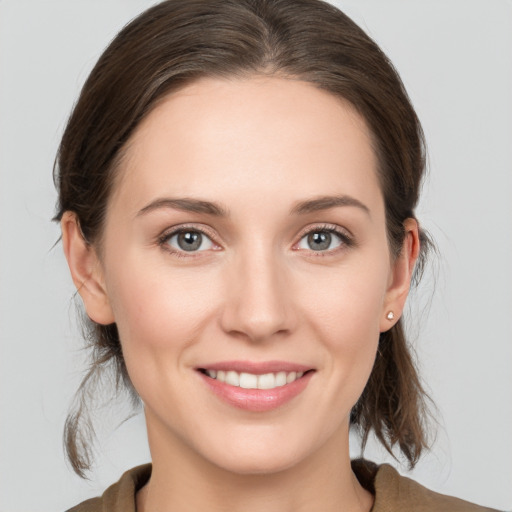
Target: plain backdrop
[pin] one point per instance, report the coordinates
(455, 57)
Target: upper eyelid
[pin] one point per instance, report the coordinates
(346, 238)
(325, 227)
(169, 232)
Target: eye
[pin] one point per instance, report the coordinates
(189, 241)
(321, 240)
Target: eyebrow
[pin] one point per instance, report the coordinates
(186, 205)
(326, 202)
(209, 208)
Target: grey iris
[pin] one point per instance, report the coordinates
(319, 241)
(190, 240)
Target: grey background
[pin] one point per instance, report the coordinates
(455, 57)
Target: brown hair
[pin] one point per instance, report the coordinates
(176, 42)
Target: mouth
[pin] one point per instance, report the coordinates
(256, 387)
(247, 380)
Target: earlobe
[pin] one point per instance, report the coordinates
(401, 276)
(86, 270)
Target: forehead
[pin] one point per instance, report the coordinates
(247, 137)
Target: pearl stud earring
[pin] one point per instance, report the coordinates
(390, 315)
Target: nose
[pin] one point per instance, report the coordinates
(258, 304)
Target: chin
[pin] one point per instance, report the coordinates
(253, 458)
(263, 464)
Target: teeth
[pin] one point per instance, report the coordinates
(232, 378)
(248, 381)
(280, 379)
(251, 381)
(266, 381)
(290, 377)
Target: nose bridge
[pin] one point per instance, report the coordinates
(257, 302)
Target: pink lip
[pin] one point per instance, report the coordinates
(257, 400)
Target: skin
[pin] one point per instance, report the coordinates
(256, 148)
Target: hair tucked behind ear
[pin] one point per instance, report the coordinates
(177, 42)
(394, 404)
(391, 400)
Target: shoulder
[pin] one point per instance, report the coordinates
(395, 493)
(119, 497)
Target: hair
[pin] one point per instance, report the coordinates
(178, 42)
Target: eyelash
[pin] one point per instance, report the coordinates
(167, 235)
(347, 241)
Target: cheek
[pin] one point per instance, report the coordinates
(348, 302)
(159, 316)
(345, 314)
(156, 309)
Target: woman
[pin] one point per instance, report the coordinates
(237, 186)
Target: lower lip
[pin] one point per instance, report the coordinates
(257, 400)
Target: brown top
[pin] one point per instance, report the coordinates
(393, 492)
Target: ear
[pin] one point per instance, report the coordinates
(86, 271)
(401, 274)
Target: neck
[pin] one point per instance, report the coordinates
(183, 481)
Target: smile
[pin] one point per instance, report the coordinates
(253, 381)
(256, 387)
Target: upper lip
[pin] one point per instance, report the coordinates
(256, 368)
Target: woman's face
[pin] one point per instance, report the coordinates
(245, 240)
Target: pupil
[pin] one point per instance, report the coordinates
(319, 241)
(189, 241)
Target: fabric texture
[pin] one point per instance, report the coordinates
(393, 492)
